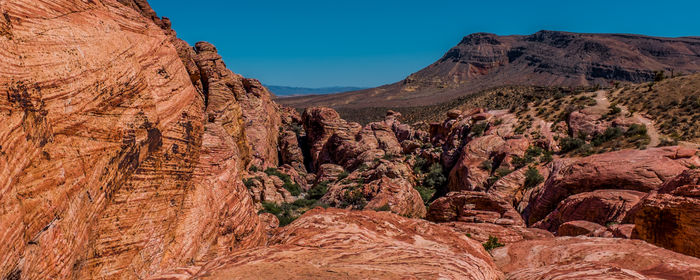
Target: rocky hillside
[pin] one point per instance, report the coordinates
(128, 154)
(547, 58)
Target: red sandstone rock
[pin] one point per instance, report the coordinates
(670, 217)
(228, 94)
(469, 174)
(338, 244)
(641, 170)
(600, 206)
(588, 124)
(622, 231)
(384, 185)
(592, 258)
(583, 228)
(474, 207)
(105, 139)
(505, 234)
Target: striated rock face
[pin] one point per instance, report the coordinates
(385, 185)
(593, 258)
(469, 173)
(583, 228)
(110, 169)
(242, 106)
(475, 207)
(601, 206)
(339, 244)
(640, 170)
(481, 215)
(670, 217)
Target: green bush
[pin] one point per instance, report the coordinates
(478, 129)
(318, 191)
(420, 165)
(533, 178)
(492, 243)
(289, 185)
(384, 208)
(354, 197)
(486, 165)
(435, 177)
(636, 130)
(249, 183)
(253, 168)
(433, 180)
(610, 134)
(569, 144)
(343, 175)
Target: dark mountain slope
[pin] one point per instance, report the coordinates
(546, 58)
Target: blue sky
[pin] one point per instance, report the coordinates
(369, 43)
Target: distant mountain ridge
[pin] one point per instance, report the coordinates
(291, 91)
(547, 58)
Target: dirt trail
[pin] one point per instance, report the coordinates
(654, 136)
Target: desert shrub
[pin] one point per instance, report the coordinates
(478, 129)
(289, 185)
(636, 130)
(486, 165)
(384, 208)
(284, 213)
(492, 243)
(354, 197)
(253, 168)
(569, 144)
(546, 157)
(435, 177)
(420, 166)
(318, 191)
(659, 76)
(343, 175)
(249, 183)
(533, 178)
(610, 134)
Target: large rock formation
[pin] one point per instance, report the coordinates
(670, 217)
(339, 244)
(593, 258)
(110, 167)
(640, 170)
(600, 206)
(482, 215)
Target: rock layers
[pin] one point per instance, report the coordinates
(110, 165)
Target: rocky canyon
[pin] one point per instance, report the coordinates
(127, 153)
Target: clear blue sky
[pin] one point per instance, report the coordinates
(373, 42)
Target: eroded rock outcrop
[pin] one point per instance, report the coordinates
(110, 166)
(640, 170)
(339, 244)
(482, 215)
(670, 217)
(593, 258)
(382, 185)
(600, 206)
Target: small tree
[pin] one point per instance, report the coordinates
(492, 243)
(533, 178)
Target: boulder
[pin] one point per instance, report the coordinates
(670, 216)
(640, 170)
(473, 207)
(583, 228)
(600, 206)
